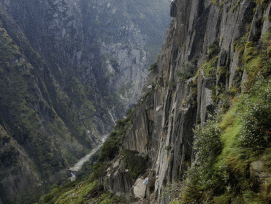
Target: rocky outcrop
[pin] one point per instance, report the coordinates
(130, 34)
(173, 9)
(258, 173)
(139, 188)
(197, 61)
(118, 180)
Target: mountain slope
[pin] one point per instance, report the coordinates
(59, 88)
(36, 143)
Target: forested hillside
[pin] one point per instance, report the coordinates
(68, 71)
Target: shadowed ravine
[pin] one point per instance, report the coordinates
(84, 159)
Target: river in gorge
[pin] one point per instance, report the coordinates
(86, 158)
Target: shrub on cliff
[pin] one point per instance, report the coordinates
(256, 129)
(201, 175)
(187, 71)
(135, 162)
(153, 66)
(207, 140)
(111, 146)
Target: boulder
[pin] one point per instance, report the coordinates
(139, 188)
(258, 173)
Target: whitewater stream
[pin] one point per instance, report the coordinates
(86, 158)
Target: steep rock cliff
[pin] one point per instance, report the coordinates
(198, 72)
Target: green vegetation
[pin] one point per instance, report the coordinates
(54, 84)
(86, 169)
(237, 136)
(209, 66)
(200, 176)
(80, 192)
(186, 71)
(43, 122)
(136, 163)
(207, 141)
(21, 118)
(213, 50)
(256, 131)
(89, 189)
(153, 67)
(112, 145)
(225, 149)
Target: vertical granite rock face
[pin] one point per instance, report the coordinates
(179, 93)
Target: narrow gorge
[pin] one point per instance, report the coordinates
(200, 128)
(69, 69)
